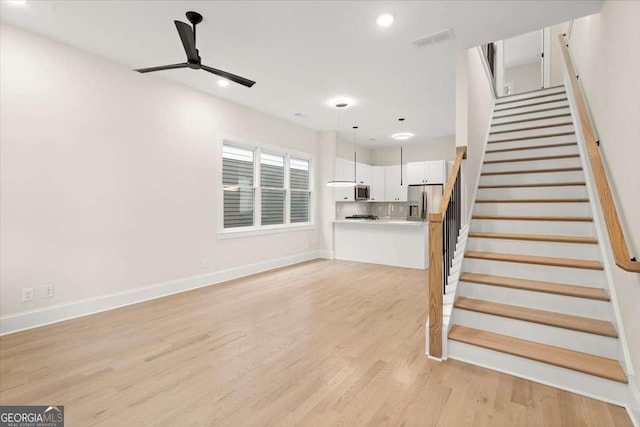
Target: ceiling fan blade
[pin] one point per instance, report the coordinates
(229, 76)
(162, 67)
(188, 41)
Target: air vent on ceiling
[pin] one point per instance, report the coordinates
(434, 38)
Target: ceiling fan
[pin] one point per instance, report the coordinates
(188, 37)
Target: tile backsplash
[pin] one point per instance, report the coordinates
(380, 209)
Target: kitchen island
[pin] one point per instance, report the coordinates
(394, 242)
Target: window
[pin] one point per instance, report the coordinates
(264, 188)
(300, 194)
(237, 180)
(273, 192)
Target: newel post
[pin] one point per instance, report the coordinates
(435, 285)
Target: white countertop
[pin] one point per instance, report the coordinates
(401, 222)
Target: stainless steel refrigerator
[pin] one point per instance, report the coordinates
(423, 200)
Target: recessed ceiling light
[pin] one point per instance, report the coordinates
(402, 136)
(385, 20)
(223, 82)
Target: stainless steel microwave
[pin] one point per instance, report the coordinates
(362, 192)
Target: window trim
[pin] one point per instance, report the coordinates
(258, 228)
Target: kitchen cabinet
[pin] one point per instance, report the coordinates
(393, 191)
(431, 172)
(363, 173)
(377, 188)
(343, 172)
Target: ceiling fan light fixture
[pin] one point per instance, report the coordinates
(402, 136)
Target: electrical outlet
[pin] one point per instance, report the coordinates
(206, 262)
(47, 291)
(28, 294)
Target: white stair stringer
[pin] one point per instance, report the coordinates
(513, 200)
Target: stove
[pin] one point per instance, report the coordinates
(369, 217)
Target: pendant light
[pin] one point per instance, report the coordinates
(336, 183)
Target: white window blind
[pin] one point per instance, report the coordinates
(300, 193)
(238, 183)
(272, 189)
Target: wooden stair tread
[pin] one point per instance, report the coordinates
(549, 318)
(534, 218)
(577, 291)
(555, 116)
(534, 237)
(531, 97)
(532, 159)
(533, 104)
(538, 260)
(533, 147)
(582, 362)
(532, 112)
(523, 171)
(544, 184)
(533, 201)
(525, 138)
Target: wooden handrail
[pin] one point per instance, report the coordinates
(611, 219)
(436, 250)
(461, 153)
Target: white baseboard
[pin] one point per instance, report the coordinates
(43, 316)
(633, 403)
(326, 254)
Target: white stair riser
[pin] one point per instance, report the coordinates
(594, 309)
(535, 152)
(541, 114)
(569, 228)
(570, 192)
(599, 388)
(525, 247)
(530, 142)
(524, 96)
(541, 209)
(499, 112)
(547, 273)
(531, 132)
(529, 123)
(530, 331)
(533, 178)
(528, 101)
(571, 162)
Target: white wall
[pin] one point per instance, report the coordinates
(480, 103)
(108, 178)
(435, 149)
(525, 78)
(344, 150)
(327, 205)
(604, 48)
(557, 62)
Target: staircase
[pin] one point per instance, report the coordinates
(532, 296)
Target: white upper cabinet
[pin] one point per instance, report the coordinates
(377, 184)
(394, 192)
(426, 172)
(343, 172)
(363, 174)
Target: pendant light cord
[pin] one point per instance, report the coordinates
(401, 120)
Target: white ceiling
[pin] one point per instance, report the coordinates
(522, 50)
(304, 53)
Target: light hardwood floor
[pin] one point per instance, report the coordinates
(324, 343)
